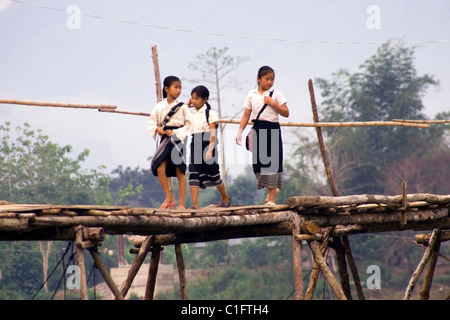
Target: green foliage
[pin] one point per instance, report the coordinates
(386, 88)
(35, 170)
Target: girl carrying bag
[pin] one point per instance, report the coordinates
(250, 135)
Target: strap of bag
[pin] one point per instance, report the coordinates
(171, 113)
(264, 106)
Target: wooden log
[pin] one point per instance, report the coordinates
(57, 104)
(104, 271)
(344, 277)
(81, 264)
(152, 273)
(425, 238)
(297, 258)
(158, 224)
(93, 234)
(181, 271)
(424, 292)
(353, 268)
(309, 295)
(136, 265)
(318, 258)
(325, 202)
(426, 256)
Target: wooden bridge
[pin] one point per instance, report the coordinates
(312, 219)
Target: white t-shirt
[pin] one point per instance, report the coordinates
(255, 101)
(199, 123)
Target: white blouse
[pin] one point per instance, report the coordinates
(199, 119)
(255, 101)
(182, 118)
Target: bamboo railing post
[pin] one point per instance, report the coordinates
(159, 88)
(345, 242)
(297, 258)
(81, 264)
(181, 271)
(426, 256)
(152, 272)
(135, 266)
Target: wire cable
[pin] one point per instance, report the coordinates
(217, 34)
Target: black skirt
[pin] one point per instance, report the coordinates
(203, 173)
(172, 150)
(267, 155)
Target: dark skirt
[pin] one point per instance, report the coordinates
(172, 150)
(267, 155)
(203, 174)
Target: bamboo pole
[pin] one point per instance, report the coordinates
(426, 256)
(181, 271)
(422, 121)
(341, 124)
(297, 258)
(104, 271)
(125, 112)
(152, 272)
(159, 95)
(57, 104)
(81, 264)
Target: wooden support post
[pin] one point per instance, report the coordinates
(136, 265)
(339, 248)
(426, 256)
(297, 258)
(81, 264)
(424, 292)
(152, 272)
(104, 271)
(354, 270)
(181, 271)
(315, 270)
(318, 258)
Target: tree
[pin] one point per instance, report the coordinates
(386, 88)
(35, 170)
(216, 67)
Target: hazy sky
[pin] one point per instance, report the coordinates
(99, 52)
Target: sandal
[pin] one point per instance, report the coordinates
(270, 203)
(226, 204)
(169, 205)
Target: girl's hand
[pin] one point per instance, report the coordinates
(209, 154)
(189, 103)
(269, 101)
(169, 133)
(160, 131)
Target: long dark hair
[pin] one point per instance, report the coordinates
(168, 81)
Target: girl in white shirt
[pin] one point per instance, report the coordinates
(171, 121)
(204, 171)
(267, 161)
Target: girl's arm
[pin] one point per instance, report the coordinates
(242, 125)
(212, 139)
